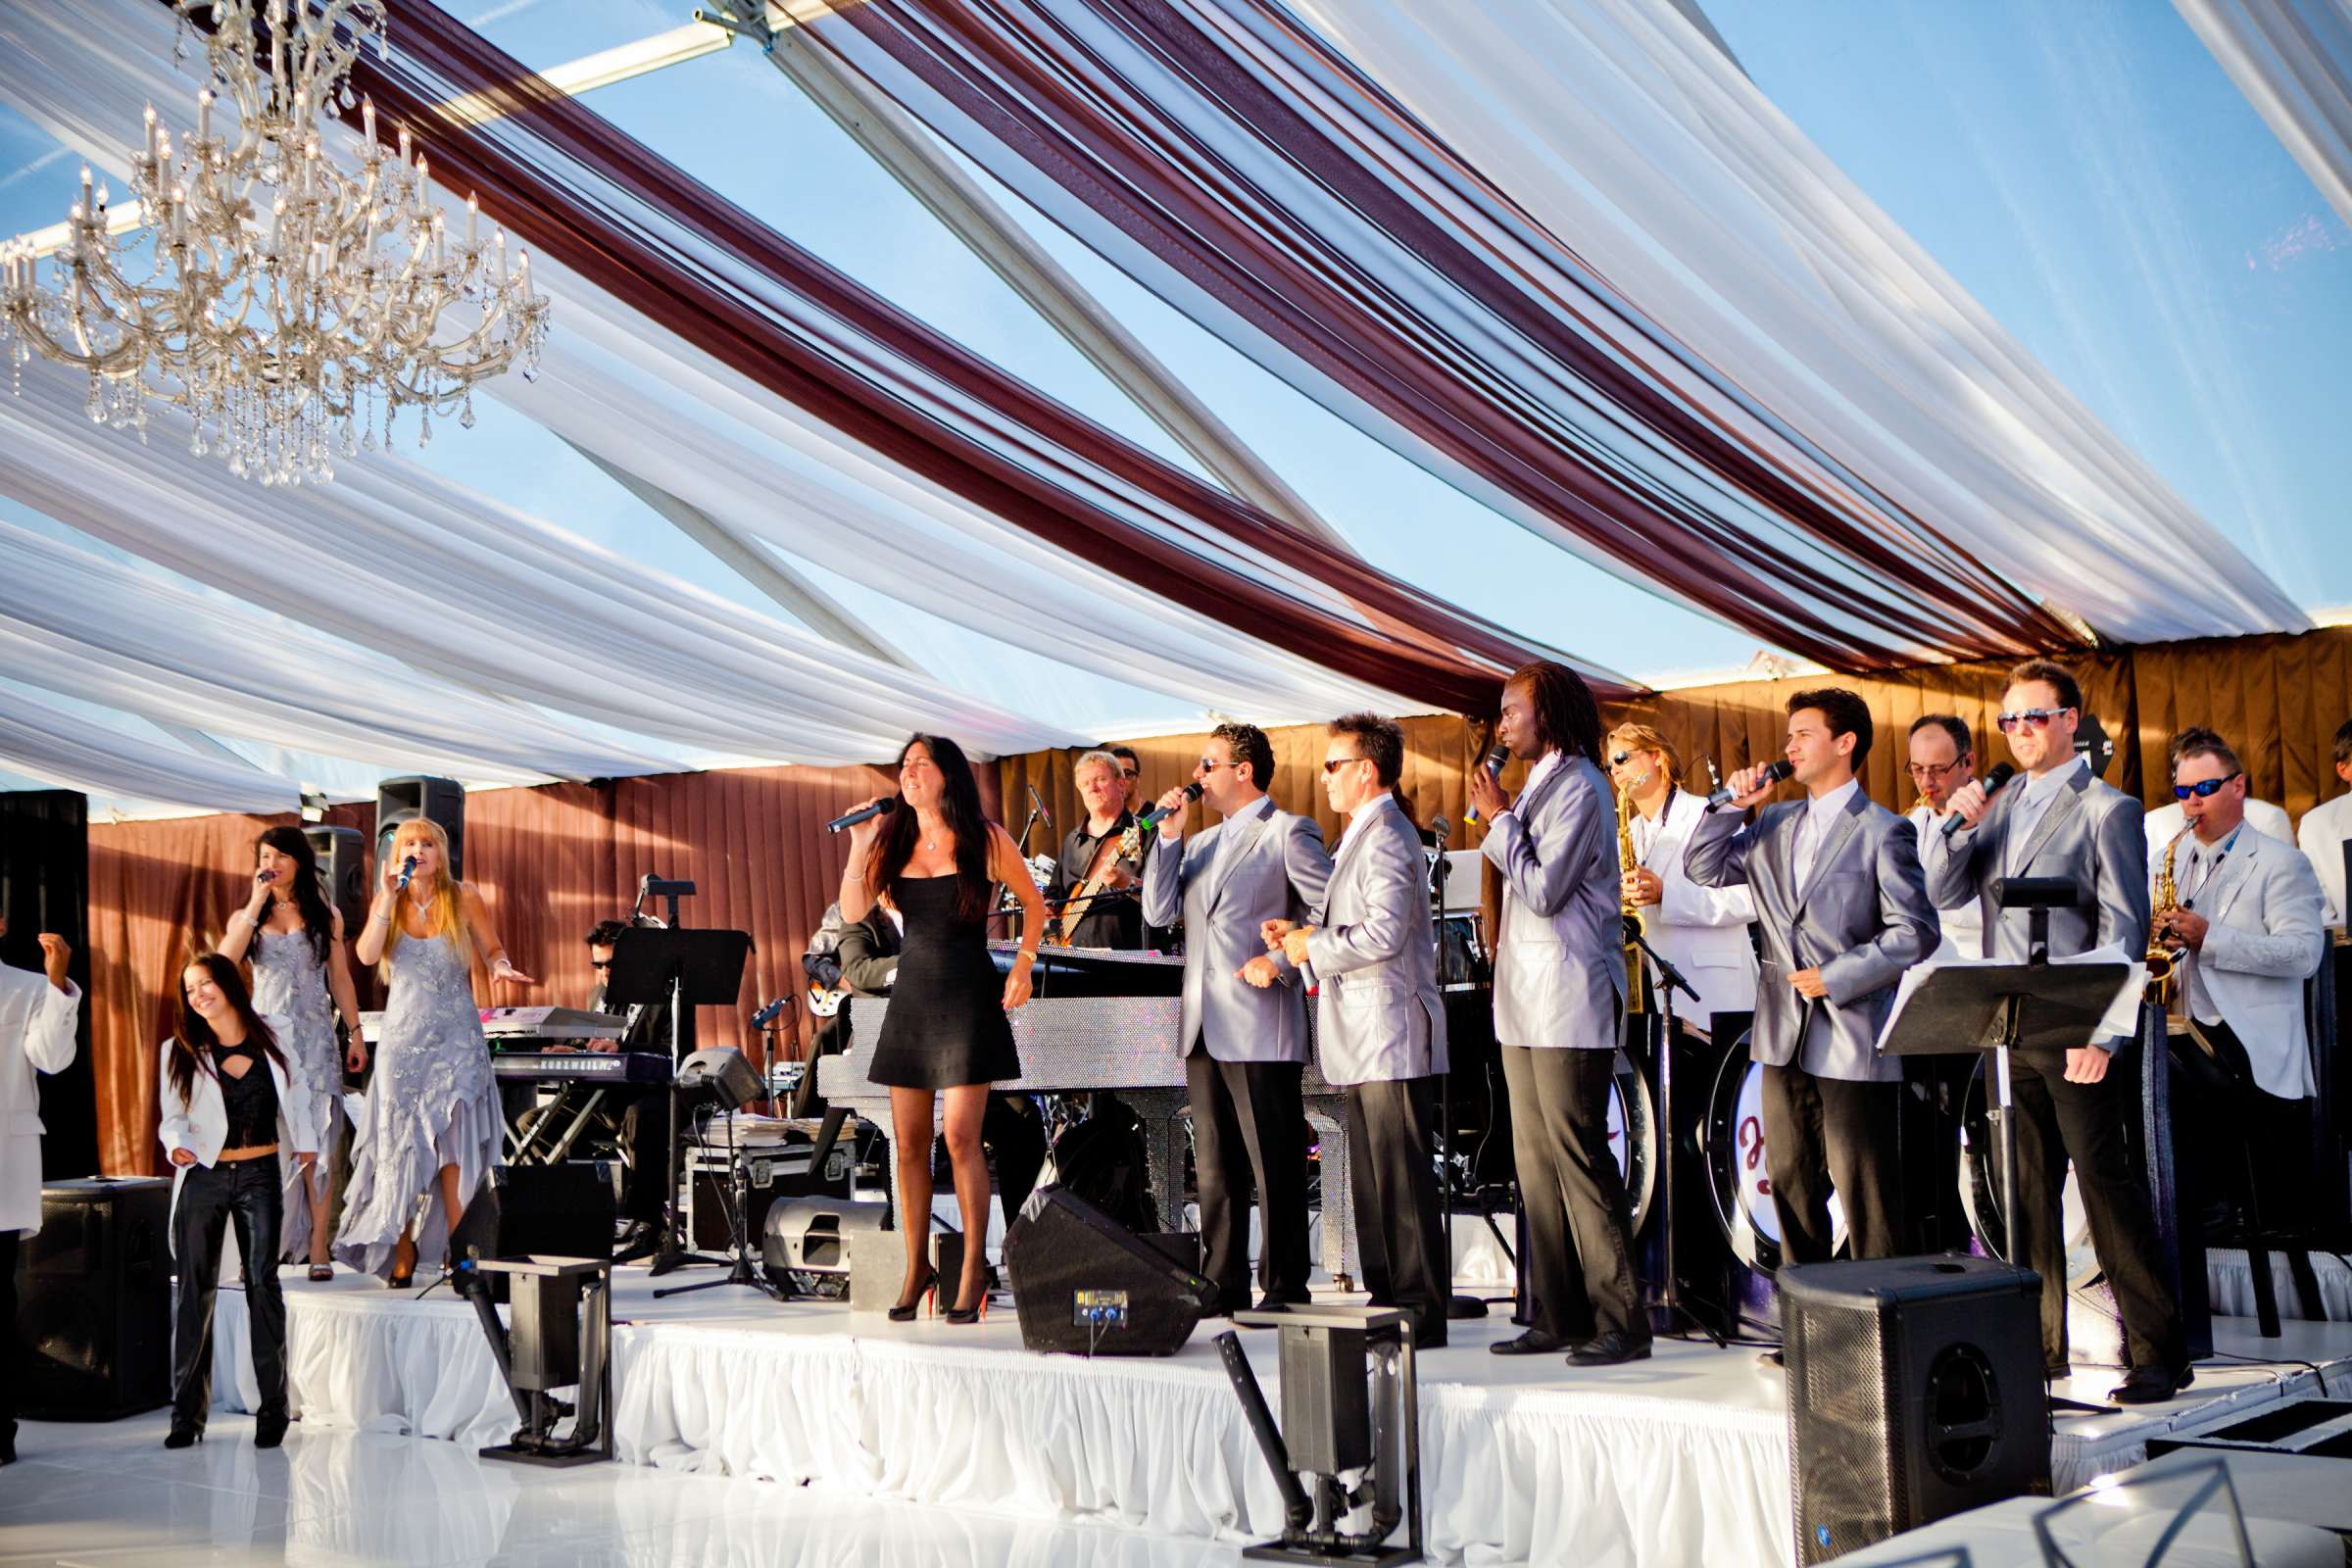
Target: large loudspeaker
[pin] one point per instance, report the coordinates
(1085, 1284)
(94, 1301)
(562, 1210)
(1915, 1392)
(436, 800)
(342, 853)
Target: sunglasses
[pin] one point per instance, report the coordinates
(1131, 772)
(604, 964)
(2031, 719)
(1333, 764)
(1210, 765)
(2204, 790)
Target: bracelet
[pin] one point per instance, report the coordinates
(849, 881)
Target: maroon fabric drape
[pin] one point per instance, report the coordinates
(1162, 129)
(568, 183)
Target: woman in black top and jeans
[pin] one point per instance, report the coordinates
(227, 1113)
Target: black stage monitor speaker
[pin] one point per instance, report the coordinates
(562, 1210)
(436, 800)
(1085, 1284)
(342, 853)
(1915, 1392)
(94, 1301)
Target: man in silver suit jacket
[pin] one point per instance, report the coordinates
(2057, 820)
(1245, 1014)
(1559, 993)
(1380, 1023)
(1842, 908)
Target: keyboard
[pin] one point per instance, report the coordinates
(581, 1066)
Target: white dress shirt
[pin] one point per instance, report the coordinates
(2325, 827)
(1821, 814)
(1963, 928)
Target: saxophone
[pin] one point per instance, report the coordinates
(2165, 989)
(1636, 973)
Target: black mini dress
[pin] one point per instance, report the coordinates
(946, 1026)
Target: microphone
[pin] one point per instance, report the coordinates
(1773, 771)
(1155, 815)
(1440, 829)
(408, 870)
(767, 1015)
(2001, 774)
(881, 808)
(266, 878)
(1493, 765)
(1038, 804)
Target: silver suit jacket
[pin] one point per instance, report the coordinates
(1276, 873)
(1374, 956)
(1862, 920)
(1559, 957)
(2093, 835)
(2264, 941)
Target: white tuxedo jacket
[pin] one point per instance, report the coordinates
(2265, 940)
(36, 1035)
(200, 1122)
(1701, 931)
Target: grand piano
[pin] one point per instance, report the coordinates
(1099, 1019)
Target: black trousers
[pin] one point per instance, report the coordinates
(1247, 1120)
(1579, 1268)
(1399, 1231)
(1013, 1131)
(2262, 1152)
(246, 1192)
(12, 1347)
(1825, 1135)
(2086, 1123)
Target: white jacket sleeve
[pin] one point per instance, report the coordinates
(49, 1036)
(174, 1129)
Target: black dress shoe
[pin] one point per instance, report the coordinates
(2150, 1384)
(1612, 1349)
(1534, 1342)
(184, 1435)
(269, 1431)
(639, 1241)
(1772, 1358)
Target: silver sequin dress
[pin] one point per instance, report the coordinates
(431, 1103)
(289, 988)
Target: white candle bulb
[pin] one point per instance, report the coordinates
(204, 115)
(367, 117)
(151, 133)
(473, 213)
(404, 144)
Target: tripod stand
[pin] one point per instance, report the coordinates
(738, 1203)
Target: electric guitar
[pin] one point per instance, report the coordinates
(1107, 855)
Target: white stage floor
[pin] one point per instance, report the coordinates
(1683, 1459)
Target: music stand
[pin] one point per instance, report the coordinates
(1665, 980)
(686, 969)
(2001, 1007)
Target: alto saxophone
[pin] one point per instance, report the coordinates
(2164, 963)
(1636, 974)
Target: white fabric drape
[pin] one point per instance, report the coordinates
(636, 396)
(483, 594)
(1623, 129)
(75, 622)
(2292, 58)
(66, 748)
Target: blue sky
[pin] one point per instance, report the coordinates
(2084, 169)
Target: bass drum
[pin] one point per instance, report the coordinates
(1633, 1140)
(1980, 1190)
(1732, 1142)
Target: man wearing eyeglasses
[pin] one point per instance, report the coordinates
(1244, 1028)
(1943, 760)
(2057, 820)
(2247, 929)
(1380, 1024)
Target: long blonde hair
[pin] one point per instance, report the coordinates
(448, 905)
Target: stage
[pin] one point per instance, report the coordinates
(1681, 1459)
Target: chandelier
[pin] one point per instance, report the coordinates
(289, 305)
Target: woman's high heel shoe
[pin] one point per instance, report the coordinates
(975, 1313)
(184, 1435)
(928, 1289)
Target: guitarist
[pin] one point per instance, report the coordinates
(1103, 855)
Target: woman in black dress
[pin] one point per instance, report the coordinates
(935, 862)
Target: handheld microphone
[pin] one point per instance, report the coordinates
(1155, 815)
(1493, 765)
(881, 808)
(2001, 774)
(408, 870)
(767, 1015)
(1773, 771)
(266, 878)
